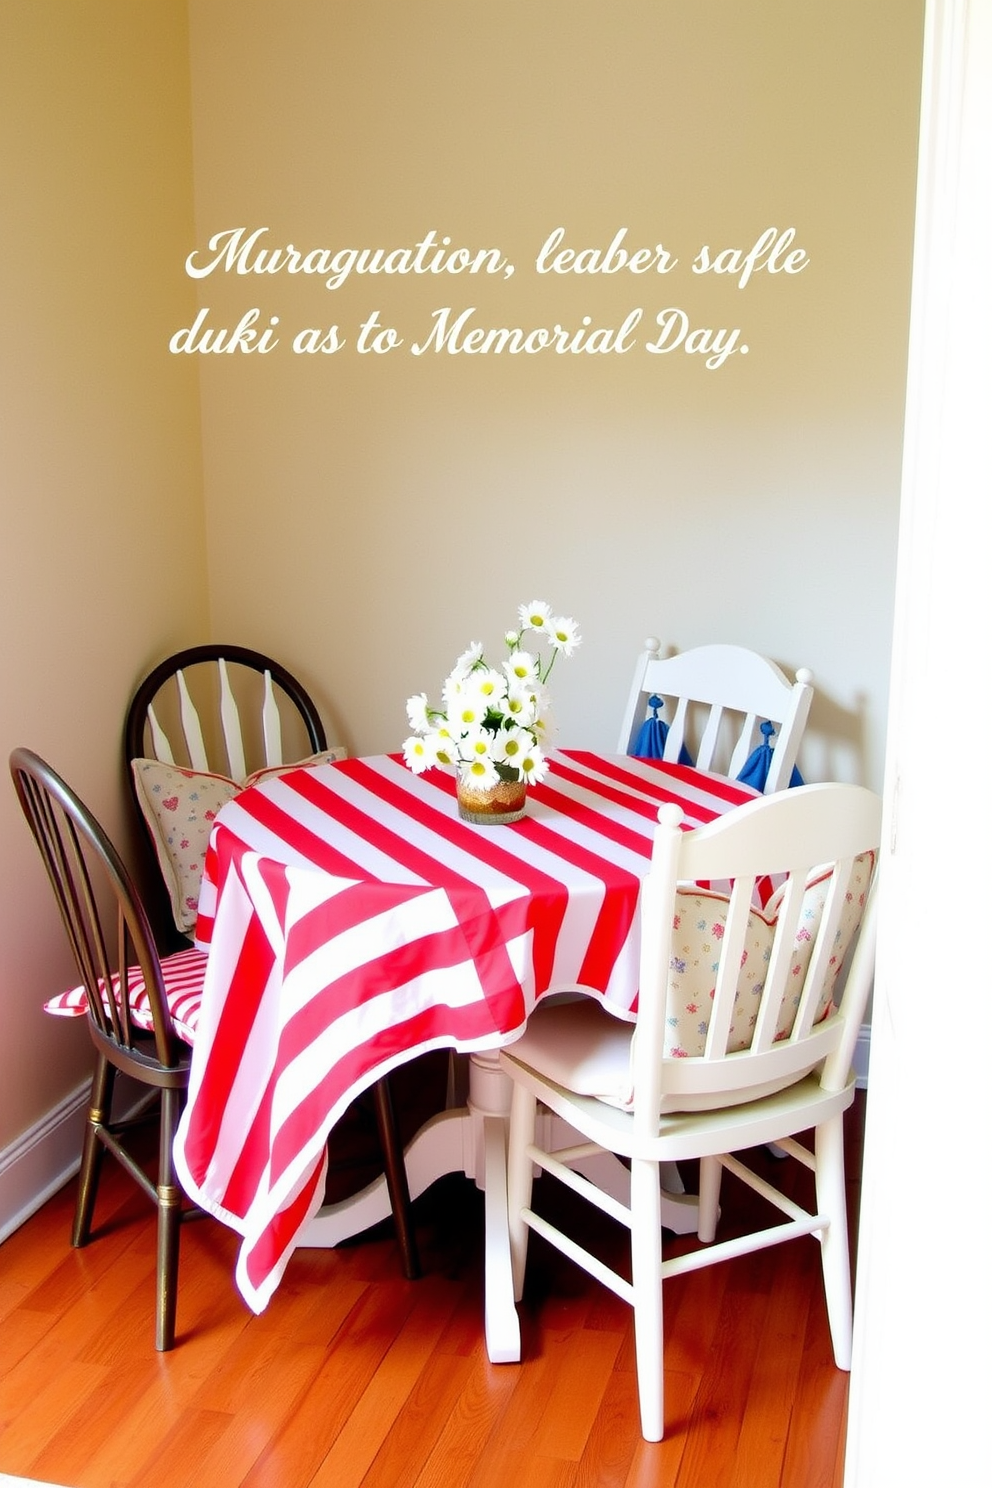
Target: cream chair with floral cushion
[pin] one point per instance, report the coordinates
(206, 723)
(739, 1042)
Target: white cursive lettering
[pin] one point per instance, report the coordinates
(455, 336)
(235, 251)
(553, 259)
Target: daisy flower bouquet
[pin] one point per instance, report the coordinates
(495, 723)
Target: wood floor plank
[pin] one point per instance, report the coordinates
(74, 1443)
(469, 1428)
(768, 1410)
(718, 1409)
(419, 1425)
(524, 1470)
(262, 1382)
(190, 1447)
(374, 1416)
(613, 1440)
(321, 1413)
(582, 1363)
(523, 1418)
(29, 1429)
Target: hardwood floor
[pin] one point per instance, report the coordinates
(355, 1376)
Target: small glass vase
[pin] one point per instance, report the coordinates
(493, 805)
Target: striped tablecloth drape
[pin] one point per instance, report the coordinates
(353, 921)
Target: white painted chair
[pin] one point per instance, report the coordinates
(715, 701)
(713, 1072)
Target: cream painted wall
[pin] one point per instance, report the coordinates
(102, 548)
(370, 515)
(366, 517)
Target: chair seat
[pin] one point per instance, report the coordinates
(182, 974)
(587, 1052)
(582, 1047)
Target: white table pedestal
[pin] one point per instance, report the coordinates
(471, 1139)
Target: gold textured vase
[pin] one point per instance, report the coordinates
(491, 805)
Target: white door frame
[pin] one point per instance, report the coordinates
(923, 1312)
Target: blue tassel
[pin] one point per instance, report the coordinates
(759, 762)
(651, 736)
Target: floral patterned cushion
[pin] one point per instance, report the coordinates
(179, 807)
(700, 923)
(183, 977)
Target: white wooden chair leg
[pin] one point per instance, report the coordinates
(645, 1203)
(519, 1179)
(710, 1173)
(831, 1199)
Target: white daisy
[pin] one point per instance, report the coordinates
(522, 666)
(466, 712)
(443, 747)
(535, 616)
(467, 660)
(416, 712)
(533, 766)
(417, 755)
(520, 704)
(494, 715)
(489, 686)
(482, 772)
(510, 745)
(476, 745)
(544, 727)
(563, 635)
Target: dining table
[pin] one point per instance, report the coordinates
(352, 921)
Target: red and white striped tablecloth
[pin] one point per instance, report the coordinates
(353, 921)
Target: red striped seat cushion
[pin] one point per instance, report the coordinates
(182, 974)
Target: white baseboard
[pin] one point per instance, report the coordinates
(861, 1052)
(6, 1481)
(41, 1160)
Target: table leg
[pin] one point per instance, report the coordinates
(471, 1139)
(502, 1322)
(444, 1144)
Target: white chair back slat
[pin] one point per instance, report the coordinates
(271, 724)
(230, 720)
(161, 748)
(747, 737)
(192, 732)
(780, 963)
(823, 951)
(706, 752)
(677, 731)
(654, 961)
(731, 952)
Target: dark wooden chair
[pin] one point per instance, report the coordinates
(229, 710)
(128, 993)
(222, 708)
